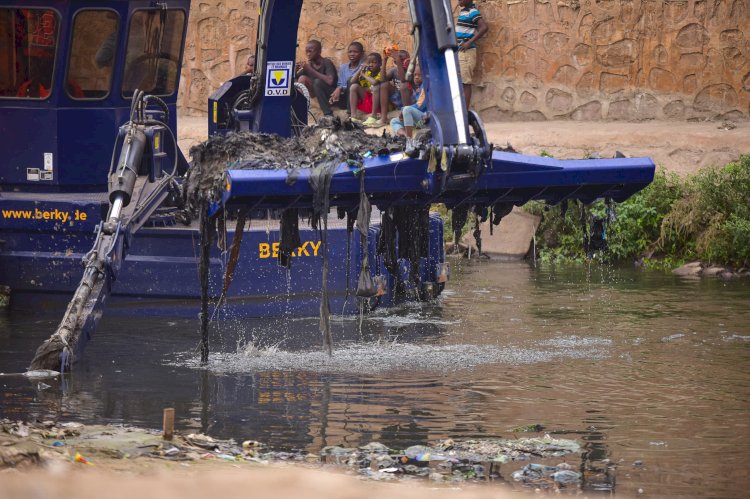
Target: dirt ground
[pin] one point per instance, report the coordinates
(123, 463)
(168, 481)
(677, 146)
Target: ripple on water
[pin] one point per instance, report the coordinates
(403, 320)
(381, 357)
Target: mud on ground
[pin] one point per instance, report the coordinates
(50, 460)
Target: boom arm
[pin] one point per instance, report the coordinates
(137, 187)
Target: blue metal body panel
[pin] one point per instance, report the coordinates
(278, 43)
(397, 179)
(161, 270)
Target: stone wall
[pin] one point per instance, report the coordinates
(542, 59)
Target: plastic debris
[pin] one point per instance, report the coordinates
(203, 441)
(546, 476)
(58, 443)
(566, 477)
(419, 453)
(250, 444)
(530, 428)
(80, 459)
(41, 373)
(375, 447)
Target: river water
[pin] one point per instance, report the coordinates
(650, 373)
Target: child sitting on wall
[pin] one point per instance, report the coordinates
(340, 96)
(364, 93)
(413, 115)
(395, 92)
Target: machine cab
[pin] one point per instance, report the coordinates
(68, 70)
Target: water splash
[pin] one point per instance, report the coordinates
(387, 356)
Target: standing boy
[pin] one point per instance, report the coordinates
(470, 27)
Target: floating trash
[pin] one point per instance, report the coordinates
(80, 459)
(672, 337)
(546, 476)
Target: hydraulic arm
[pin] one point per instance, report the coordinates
(138, 185)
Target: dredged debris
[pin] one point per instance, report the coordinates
(330, 139)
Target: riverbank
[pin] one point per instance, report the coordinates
(702, 218)
(62, 460)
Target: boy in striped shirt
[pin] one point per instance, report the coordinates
(470, 27)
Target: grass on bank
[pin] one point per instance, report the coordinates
(704, 217)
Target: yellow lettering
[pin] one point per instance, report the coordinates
(303, 250)
(265, 250)
(271, 250)
(37, 214)
(315, 247)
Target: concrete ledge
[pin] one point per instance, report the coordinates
(510, 240)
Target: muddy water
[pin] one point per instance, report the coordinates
(649, 373)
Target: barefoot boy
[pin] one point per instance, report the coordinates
(365, 94)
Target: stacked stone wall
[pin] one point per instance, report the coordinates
(542, 59)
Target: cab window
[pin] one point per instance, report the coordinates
(92, 54)
(153, 52)
(28, 47)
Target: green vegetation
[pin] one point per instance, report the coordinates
(704, 217)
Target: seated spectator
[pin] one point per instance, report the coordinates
(415, 114)
(318, 74)
(346, 71)
(249, 66)
(395, 91)
(105, 54)
(364, 94)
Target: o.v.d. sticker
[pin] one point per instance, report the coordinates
(278, 78)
